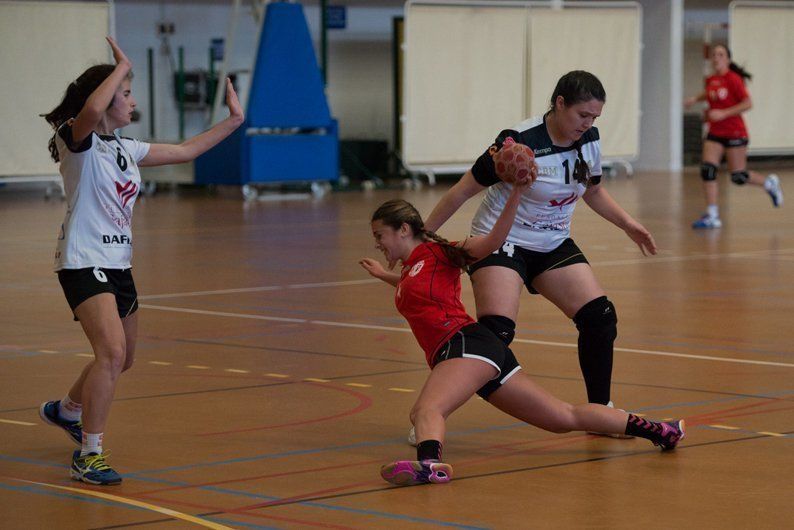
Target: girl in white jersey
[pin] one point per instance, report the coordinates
(538, 252)
(102, 180)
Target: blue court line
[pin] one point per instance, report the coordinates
(238, 493)
(238, 523)
(40, 490)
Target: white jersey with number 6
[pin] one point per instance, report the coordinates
(102, 181)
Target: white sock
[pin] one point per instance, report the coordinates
(713, 210)
(768, 182)
(70, 410)
(92, 443)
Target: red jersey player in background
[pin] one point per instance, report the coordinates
(727, 98)
(466, 357)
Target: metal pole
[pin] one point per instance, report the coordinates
(150, 66)
(324, 40)
(181, 92)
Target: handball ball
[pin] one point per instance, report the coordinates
(513, 161)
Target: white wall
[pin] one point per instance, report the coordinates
(359, 61)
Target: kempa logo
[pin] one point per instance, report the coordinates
(116, 240)
(543, 151)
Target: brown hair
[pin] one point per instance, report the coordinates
(74, 99)
(395, 212)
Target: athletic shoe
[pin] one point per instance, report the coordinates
(413, 472)
(412, 436)
(706, 221)
(92, 469)
(619, 436)
(772, 187)
(48, 412)
(672, 433)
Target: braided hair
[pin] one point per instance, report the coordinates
(74, 99)
(395, 212)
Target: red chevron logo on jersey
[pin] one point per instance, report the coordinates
(126, 192)
(567, 200)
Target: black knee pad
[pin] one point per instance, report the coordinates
(502, 327)
(596, 314)
(708, 171)
(740, 177)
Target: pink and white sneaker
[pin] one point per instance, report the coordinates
(672, 433)
(413, 472)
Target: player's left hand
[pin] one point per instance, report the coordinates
(640, 235)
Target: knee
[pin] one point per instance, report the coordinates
(740, 177)
(113, 359)
(708, 172)
(501, 326)
(562, 422)
(598, 314)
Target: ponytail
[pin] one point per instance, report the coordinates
(741, 71)
(74, 99)
(395, 212)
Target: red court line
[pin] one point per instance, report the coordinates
(259, 477)
(743, 414)
(364, 403)
(699, 419)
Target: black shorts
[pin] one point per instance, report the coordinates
(530, 263)
(81, 284)
(475, 341)
(728, 142)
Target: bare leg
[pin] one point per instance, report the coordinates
(712, 154)
(450, 385)
(522, 398)
(497, 291)
(100, 320)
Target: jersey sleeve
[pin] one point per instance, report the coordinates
(483, 169)
(136, 148)
(65, 132)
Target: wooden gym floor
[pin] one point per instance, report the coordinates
(273, 376)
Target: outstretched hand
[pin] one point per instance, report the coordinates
(642, 237)
(118, 55)
(235, 109)
(373, 267)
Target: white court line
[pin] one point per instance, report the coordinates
(259, 289)
(631, 261)
(408, 330)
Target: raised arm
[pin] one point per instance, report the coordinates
(100, 99)
(481, 246)
(604, 205)
(453, 199)
(162, 154)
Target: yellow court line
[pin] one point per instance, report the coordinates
(13, 422)
(198, 367)
(160, 363)
(395, 389)
(317, 380)
(771, 433)
(48, 351)
(236, 371)
(280, 376)
(359, 385)
(726, 427)
(139, 504)
(84, 354)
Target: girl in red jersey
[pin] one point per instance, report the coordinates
(727, 98)
(466, 357)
